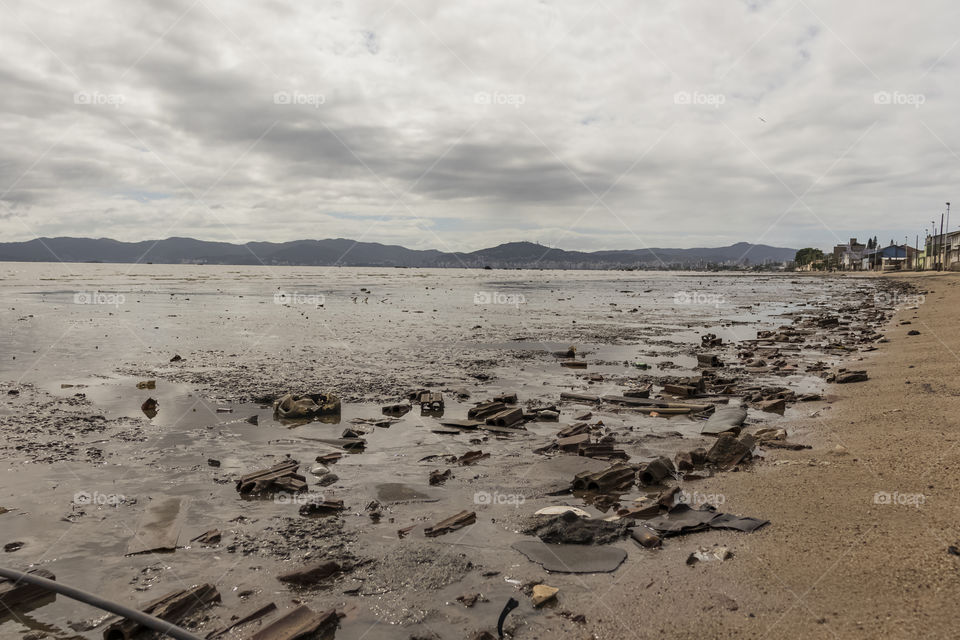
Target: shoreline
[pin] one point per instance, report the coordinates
(860, 524)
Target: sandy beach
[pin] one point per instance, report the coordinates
(862, 522)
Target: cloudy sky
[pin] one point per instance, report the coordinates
(582, 125)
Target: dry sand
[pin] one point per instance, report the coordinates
(836, 562)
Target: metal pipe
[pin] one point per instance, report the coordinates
(161, 626)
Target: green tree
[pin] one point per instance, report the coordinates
(808, 255)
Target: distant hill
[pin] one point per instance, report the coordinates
(343, 252)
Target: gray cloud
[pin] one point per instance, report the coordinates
(457, 126)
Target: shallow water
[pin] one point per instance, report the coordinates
(482, 332)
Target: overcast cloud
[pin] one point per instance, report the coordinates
(455, 126)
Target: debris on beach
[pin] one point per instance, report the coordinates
(616, 477)
(683, 519)
(705, 554)
(542, 594)
(454, 522)
(300, 623)
(159, 528)
(321, 508)
(304, 407)
(280, 477)
(572, 558)
(19, 594)
(173, 607)
(150, 408)
(570, 528)
(312, 574)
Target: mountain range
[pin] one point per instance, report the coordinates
(343, 252)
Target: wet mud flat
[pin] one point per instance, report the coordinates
(415, 521)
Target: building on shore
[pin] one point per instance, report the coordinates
(849, 256)
(892, 258)
(942, 252)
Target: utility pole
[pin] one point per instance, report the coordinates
(933, 244)
(946, 251)
(941, 243)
